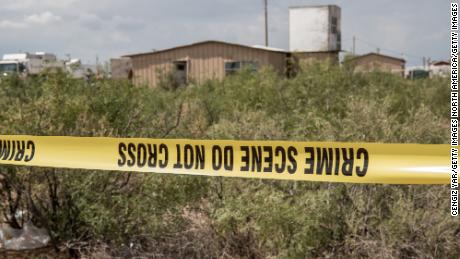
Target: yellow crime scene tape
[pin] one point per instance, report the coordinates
(287, 160)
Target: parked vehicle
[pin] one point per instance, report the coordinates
(26, 64)
(29, 64)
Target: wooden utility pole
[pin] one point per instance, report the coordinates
(266, 23)
(354, 45)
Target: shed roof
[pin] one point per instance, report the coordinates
(207, 42)
(440, 63)
(375, 54)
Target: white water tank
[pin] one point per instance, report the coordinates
(314, 28)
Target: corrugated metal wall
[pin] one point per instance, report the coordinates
(204, 61)
(378, 63)
(120, 68)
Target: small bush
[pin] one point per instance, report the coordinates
(152, 215)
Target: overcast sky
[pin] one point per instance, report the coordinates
(110, 28)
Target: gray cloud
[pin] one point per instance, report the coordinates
(8, 24)
(109, 28)
(91, 21)
(42, 18)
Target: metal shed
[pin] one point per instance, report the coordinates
(202, 61)
(377, 62)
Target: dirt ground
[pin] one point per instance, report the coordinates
(40, 253)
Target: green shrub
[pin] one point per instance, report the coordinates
(186, 216)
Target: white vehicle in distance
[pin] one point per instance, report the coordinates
(28, 63)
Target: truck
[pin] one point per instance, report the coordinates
(29, 63)
(26, 64)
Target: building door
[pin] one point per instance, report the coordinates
(180, 72)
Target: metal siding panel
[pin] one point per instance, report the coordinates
(206, 63)
(224, 59)
(201, 59)
(154, 74)
(195, 60)
(135, 70)
(160, 67)
(145, 65)
(246, 54)
(220, 66)
(150, 69)
(213, 55)
(147, 74)
(239, 53)
(218, 57)
(200, 64)
(156, 69)
(210, 66)
(190, 64)
(147, 69)
(139, 70)
(190, 71)
(255, 56)
(195, 65)
(163, 65)
(142, 60)
(203, 64)
(215, 58)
